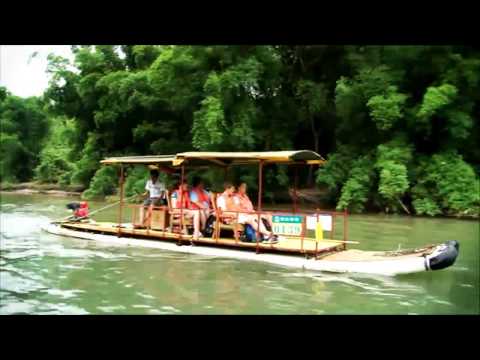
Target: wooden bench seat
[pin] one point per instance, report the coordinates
(220, 223)
(175, 217)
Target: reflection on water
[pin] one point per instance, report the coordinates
(46, 274)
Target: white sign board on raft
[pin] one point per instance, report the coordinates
(292, 224)
(326, 221)
(287, 224)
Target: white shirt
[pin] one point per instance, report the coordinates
(156, 189)
(236, 200)
(221, 203)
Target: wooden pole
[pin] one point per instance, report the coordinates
(404, 207)
(341, 241)
(120, 211)
(180, 198)
(295, 185)
(333, 227)
(93, 212)
(260, 189)
(345, 229)
(260, 184)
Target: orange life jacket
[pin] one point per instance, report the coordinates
(202, 197)
(183, 199)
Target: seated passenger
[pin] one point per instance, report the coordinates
(181, 200)
(200, 199)
(242, 201)
(225, 202)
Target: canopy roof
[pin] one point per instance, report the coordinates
(145, 160)
(224, 159)
(238, 158)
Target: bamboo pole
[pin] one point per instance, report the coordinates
(340, 241)
(295, 186)
(93, 212)
(180, 198)
(404, 207)
(260, 184)
(120, 212)
(260, 189)
(345, 229)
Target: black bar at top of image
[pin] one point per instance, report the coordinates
(297, 25)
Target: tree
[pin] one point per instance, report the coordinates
(24, 126)
(385, 117)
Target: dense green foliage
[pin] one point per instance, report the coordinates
(398, 124)
(23, 128)
(56, 156)
(407, 114)
(443, 184)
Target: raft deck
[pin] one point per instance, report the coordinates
(285, 243)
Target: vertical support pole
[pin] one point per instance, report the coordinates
(217, 217)
(134, 217)
(304, 229)
(258, 232)
(333, 227)
(316, 241)
(260, 184)
(225, 176)
(295, 186)
(304, 226)
(180, 198)
(235, 229)
(260, 190)
(120, 211)
(165, 212)
(345, 229)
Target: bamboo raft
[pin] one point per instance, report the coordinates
(299, 250)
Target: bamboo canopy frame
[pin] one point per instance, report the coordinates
(140, 160)
(223, 159)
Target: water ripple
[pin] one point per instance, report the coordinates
(46, 274)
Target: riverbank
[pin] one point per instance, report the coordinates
(30, 188)
(38, 188)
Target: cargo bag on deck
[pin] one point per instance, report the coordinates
(208, 232)
(249, 235)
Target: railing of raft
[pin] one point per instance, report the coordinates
(166, 231)
(302, 237)
(146, 225)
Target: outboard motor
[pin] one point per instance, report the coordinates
(73, 206)
(444, 256)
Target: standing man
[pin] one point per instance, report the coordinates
(156, 194)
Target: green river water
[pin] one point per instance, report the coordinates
(42, 273)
